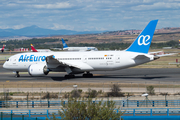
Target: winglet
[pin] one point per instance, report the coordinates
(143, 41)
(64, 44)
(33, 49)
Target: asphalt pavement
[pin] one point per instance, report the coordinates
(131, 75)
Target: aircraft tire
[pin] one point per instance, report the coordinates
(69, 76)
(88, 75)
(17, 75)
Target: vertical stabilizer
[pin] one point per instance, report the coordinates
(2, 50)
(143, 41)
(33, 49)
(64, 44)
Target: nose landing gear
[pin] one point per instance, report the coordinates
(17, 74)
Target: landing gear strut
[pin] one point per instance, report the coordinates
(88, 75)
(69, 76)
(17, 74)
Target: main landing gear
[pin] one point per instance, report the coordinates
(87, 75)
(17, 74)
(69, 76)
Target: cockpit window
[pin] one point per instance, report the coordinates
(7, 60)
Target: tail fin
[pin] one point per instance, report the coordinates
(143, 41)
(2, 50)
(64, 44)
(33, 49)
(3, 47)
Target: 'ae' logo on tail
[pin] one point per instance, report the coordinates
(143, 40)
(64, 44)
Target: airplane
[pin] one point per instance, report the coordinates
(2, 49)
(40, 64)
(57, 49)
(65, 47)
(39, 50)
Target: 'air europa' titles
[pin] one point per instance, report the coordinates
(31, 58)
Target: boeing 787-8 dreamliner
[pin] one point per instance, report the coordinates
(38, 64)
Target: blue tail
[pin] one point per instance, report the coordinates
(143, 41)
(64, 44)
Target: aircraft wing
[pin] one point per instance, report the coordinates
(54, 63)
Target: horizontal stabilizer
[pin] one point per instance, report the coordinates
(165, 55)
(141, 57)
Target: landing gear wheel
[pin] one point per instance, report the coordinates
(89, 75)
(69, 76)
(17, 74)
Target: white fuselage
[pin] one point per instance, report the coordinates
(43, 50)
(86, 61)
(80, 48)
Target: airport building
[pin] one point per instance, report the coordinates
(21, 49)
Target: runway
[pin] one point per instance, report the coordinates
(131, 75)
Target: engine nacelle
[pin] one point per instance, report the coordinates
(38, 70)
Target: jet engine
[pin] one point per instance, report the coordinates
(38, 70)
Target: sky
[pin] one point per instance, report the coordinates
(89, 15)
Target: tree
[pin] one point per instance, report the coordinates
(75, 93)
(150, 90)
(115, 91)
(92, 93)
(86, 109)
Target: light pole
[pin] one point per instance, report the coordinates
(124, 102)
(74, 86)
(128, 99)
(174, 86)
(145, 95)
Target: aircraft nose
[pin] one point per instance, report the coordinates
(5, 65)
